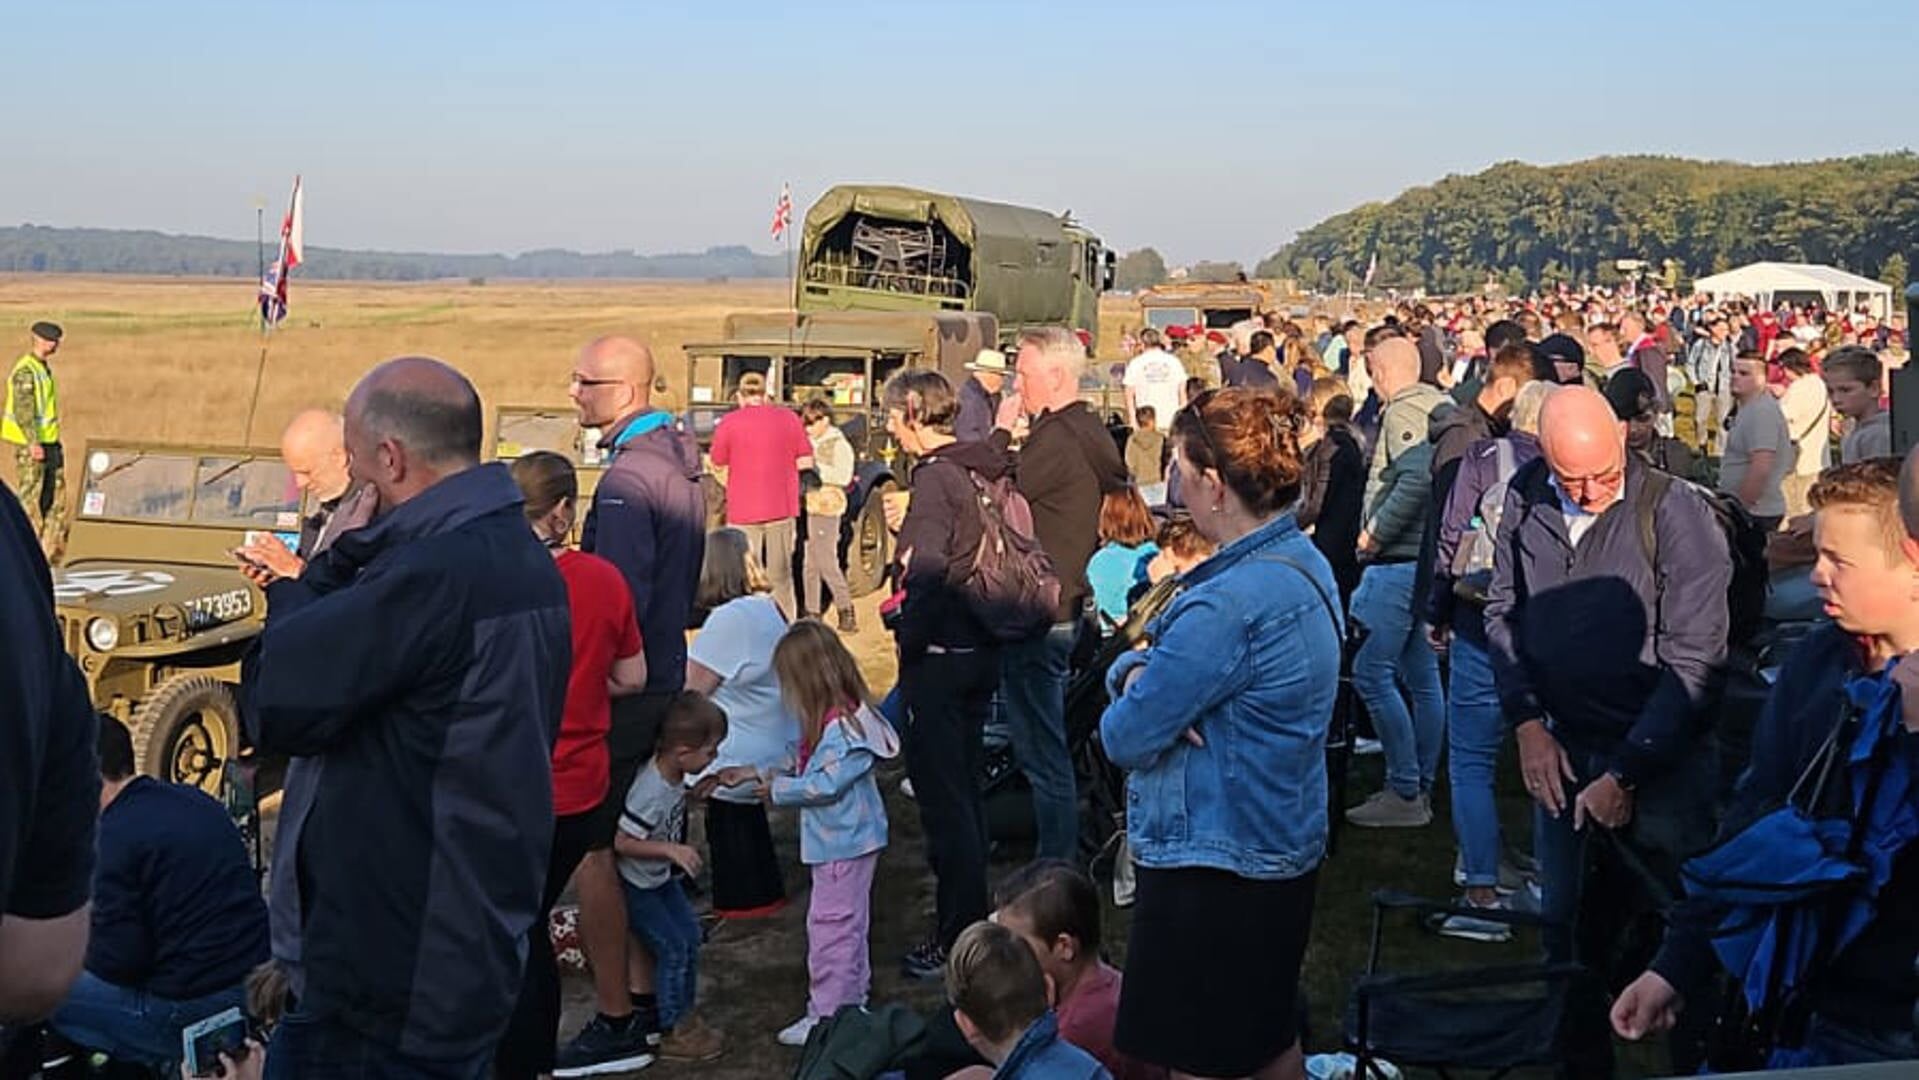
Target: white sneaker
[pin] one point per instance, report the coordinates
(1364, 747)
(795, 1033)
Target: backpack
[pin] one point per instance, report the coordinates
(858, 1043)
(1473, 560)
(1745, 541)
(1012, 587)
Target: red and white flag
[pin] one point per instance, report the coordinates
(273, 287)
(783, 212)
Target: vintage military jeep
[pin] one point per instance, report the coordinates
(151, 605)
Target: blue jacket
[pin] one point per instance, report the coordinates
(1623, 660)
(649, 519)
(978, 411)
(1041, 1054)
(416, 672)
(1248, 656)
(176, 910)
(841, 813)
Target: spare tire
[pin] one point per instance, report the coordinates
(185, 731)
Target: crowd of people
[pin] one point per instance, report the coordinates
(1525, 527)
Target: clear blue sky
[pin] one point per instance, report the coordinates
(1210, 130)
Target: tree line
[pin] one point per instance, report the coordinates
(39, 249)
(1528, 226)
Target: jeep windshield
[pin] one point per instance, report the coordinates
(190, 489)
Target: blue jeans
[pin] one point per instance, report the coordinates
(665, 922)
(1033, 678)
(1397, 654)
(131, 1025)
(308, 1047)
(1475, 729)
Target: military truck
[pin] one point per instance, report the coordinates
(844, 357)
(882, 248)
(1211, 306)
(151, 605)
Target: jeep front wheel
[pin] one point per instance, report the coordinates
(185, 731)
(870, 547)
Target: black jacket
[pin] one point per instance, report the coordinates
(937, 544)
(418, 670)
(49, 772)
(1454, 429)
(1066, 466)
(1334, 488)
(649, 520)
(176, 910)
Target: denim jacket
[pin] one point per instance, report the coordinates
(1041, 1054)
(841, 813)
(1247, 656)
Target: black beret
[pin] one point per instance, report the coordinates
(47, 331)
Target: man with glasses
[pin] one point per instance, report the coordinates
(649, 520)
(1605, 665)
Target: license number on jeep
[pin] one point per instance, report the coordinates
(207, 611)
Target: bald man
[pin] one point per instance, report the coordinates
(313, 446)
(416, 674)
(1396, 653)
(1605, 666)
(648, 519)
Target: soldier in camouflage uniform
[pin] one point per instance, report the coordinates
(32, 424)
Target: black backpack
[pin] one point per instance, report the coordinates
(1745, 542)
(1012, 587)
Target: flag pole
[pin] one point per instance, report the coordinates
(792, 279)
(267, 324)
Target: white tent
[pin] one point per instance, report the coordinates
(1799, 283)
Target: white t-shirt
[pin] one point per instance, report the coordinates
(1157, 379)
(1809, 422)
(737, 644)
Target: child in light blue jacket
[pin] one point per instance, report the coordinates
(842, 817)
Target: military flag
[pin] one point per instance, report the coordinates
(273, 286)
(783, 212)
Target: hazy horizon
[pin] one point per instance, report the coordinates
(495, 128)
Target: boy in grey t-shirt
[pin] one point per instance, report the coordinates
(650, 845)
(1759, 450)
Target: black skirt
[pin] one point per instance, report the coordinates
(746, 869)
(1212, 970)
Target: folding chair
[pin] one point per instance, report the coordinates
(1494, 1019)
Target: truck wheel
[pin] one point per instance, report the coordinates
(185, 731)
(871, 546)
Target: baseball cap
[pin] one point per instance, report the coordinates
(1562, 347)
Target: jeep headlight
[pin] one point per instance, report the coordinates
(103, 634)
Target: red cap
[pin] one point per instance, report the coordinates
(1177, 333)
(1215, 337)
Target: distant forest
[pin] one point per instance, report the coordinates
(33, 248)
(1528, 225)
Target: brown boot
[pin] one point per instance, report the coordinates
(848, 624)
(691, 1041)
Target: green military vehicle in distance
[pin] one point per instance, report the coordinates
(867, 247)
(151, 605)
(844, 357)
(1207, 305)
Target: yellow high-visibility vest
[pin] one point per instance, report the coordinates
(46, 404)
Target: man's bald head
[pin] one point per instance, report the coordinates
(410, 423)
(314, 449)
(1584, 443)
(613, 378)
(1394, 365)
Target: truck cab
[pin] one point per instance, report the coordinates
(1207, 306)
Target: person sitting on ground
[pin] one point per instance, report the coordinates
(1852, 381)
(651, 845)
(178, 921)
(1000, 1000)
(1146, 454)
(1630, 394)
(1181, 547)
(1857, 1005)
(1117, 571)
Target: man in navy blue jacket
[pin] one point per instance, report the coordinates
(178, 921)
(649, 520)
(418, 667)
(1606, 657)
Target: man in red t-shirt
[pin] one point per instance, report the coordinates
(764, 448)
